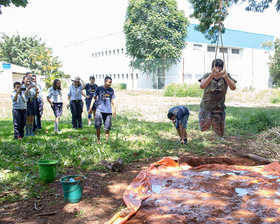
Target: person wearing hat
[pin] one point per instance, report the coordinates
(75, 101)
(179, 116)
(90, 89)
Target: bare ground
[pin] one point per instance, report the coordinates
(102, 195)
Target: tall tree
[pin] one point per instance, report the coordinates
(30, 52)
(274, 65)
(207, 12)
(17, 3)
(155, 34)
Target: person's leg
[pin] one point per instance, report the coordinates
(16, 123)
(79, 115)
(88, 101)
(31, 125)
(97, 124)
(218, 123)
(204, 119)
(107, 124)
(184, 128)
(23, 122)
(40, 113)
(73, 109)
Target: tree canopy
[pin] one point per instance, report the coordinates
(207, 12)
(32, 53)
(154, 29)
(17, 3)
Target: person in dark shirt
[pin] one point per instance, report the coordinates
(105, 107)
(212, 106)
(90, 89)
(179, 115)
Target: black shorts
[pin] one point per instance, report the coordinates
(88, 101)
(31, 107)
(105, 118)
(57, 109)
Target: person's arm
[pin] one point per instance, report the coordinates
(114, 108)
(84, 95)
(27, 90)
(36, 92)
(205, 82)
(49, 100)
(83, 83)
(229, 81)
(15, 98)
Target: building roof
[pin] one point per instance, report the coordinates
(231, 38)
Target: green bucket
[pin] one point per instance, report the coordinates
(47, 170)
(73, 190)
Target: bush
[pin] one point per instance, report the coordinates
(183, 90)
(120, 86)
(276, 97)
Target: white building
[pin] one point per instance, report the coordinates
(245, 59)
(10, 73)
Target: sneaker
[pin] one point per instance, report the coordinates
(57, 131)
(19, 138)
(185, 141)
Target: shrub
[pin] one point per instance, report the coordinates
(276, 97)
(119, 86)
(183, 90)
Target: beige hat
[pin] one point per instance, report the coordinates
(76, 79)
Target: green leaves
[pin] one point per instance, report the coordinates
(274, 65)
(154, 30)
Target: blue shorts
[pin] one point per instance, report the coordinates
(105, 118)
(88, 101)
(184, 122)
(31, 107)
(57, 109)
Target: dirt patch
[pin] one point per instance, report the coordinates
(102, 196)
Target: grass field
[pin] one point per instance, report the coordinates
(140, 131)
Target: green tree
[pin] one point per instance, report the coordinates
(17, 3)
(274, 65)
(207, 12)
(155, 34)
(32, 53)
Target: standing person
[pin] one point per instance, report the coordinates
(179, 116)
(75, 101)
(31, 95)
(90, 89)
(19, 110)
(39, 105)
(212, 106)
(105, 107)
(55, 99)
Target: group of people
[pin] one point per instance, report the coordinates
(100, 102)
(212, 106)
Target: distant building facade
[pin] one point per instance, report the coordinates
(245, 59)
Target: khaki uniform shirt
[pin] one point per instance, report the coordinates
(214, 94)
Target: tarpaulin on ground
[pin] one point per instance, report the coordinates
(171, 193)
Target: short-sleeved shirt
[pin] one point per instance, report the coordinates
(179, 112)
(214, 94)
(31, 93)
(90, 89)
(20, 103)
(104, 99)
(75, 93)
(40, 91)
(55, 95)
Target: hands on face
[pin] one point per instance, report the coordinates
(218, 73)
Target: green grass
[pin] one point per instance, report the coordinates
(183, 90)
(130, 139)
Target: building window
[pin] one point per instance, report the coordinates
(122, 50)
(136, 76)
(99, 76)
(109, 52)
(103, 76)
(98, 54)
(102, 53)
(235, 51)
(122, 76)
(198, 76)
(131, 76)
(197, 46)
(126, 76)
(118, 51)
(210, 49)
(188, 76)
(118, 76)
(114, 51)
(106, 53)
(95, 54)
(92, 55)
(114, 76)
(223, 50)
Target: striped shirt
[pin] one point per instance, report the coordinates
(20, 103)
(75, 93)
(55, 95)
